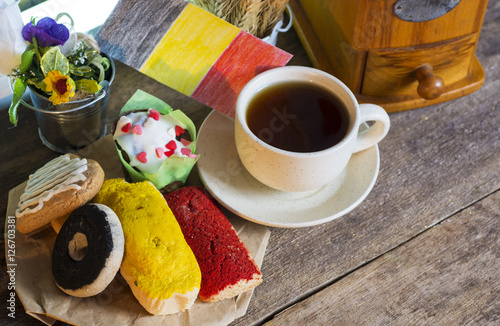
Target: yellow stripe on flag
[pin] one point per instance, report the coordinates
(189, 49)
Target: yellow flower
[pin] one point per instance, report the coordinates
(61, 86)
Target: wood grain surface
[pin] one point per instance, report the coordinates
(392, 72)
(447, 275)
(150, 26)
(377, 54)
(422, 249)
(369, 24)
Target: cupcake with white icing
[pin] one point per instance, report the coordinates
(156, 144)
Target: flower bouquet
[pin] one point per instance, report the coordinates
(68, 77)
(57, 64)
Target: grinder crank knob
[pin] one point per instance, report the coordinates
(430, 86)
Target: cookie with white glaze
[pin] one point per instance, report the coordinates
(56, 189)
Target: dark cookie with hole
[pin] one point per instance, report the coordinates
(88, 251)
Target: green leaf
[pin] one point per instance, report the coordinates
(54, 60)
(97, 63)
(19, 89)
(26, 60)
(92, 54)
(29, 47)
(81, 71)
(72, 83)
(36, 49)
(106, 63)
(41, 85)
(88, 85)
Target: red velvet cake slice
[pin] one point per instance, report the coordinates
(227, 269)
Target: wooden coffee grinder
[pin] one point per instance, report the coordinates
(400, 54)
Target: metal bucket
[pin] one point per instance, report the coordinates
(70, 126)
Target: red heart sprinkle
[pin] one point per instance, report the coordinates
(171, 145)
(185, 142)
(159, 152)
(137, 130)
(142, 157)
(169, 153)
(179, 130)
(154, 114)
(126, 128)
(185, 151)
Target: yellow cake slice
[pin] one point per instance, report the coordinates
(158, 264)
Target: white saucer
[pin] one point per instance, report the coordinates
(229, 183)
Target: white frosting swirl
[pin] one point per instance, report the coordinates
(58, 175)
(138, 134)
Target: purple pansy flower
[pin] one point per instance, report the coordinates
(47, 32)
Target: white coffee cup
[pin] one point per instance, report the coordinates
(296, 171)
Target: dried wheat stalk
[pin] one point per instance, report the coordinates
(256, 17)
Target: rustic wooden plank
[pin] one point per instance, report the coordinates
(23, 139)
(448, 275)
(186, 56)
(151, 19)
(351, 31)
(434, 162)
(24, 152)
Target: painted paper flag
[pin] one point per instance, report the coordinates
(187, 49)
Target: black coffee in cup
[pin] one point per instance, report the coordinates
(297, 116)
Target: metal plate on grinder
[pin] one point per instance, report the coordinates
(423, 10)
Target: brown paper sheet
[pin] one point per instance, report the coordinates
(116, 305)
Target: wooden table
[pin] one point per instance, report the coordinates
(422, 249)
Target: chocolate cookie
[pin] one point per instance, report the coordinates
(88, 250)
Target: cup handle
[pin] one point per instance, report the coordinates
(377, 131)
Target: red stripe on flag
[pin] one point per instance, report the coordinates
(244, 58)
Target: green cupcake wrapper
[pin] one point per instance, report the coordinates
(174, 168)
